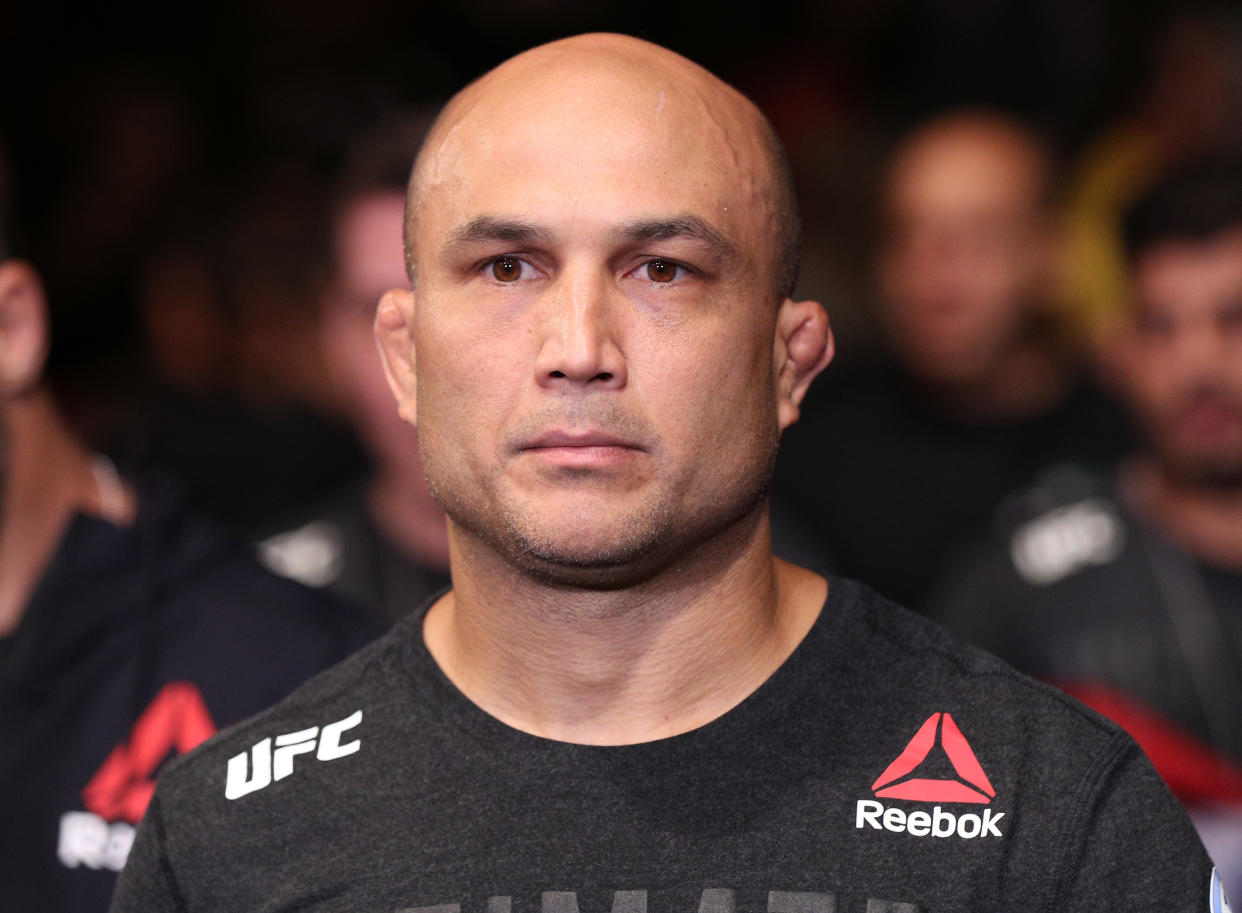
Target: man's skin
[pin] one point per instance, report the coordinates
(1180, 367)
(599, 365)
(45, 472)
(966, 267)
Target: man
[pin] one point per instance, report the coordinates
(129, 632)
(625, 699)
(981, 389)
(1127, 591)
(379, 542)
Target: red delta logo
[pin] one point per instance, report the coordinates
(176, 721)
(939, 727)
(901, 780)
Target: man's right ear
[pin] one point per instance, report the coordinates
(24, 330)
(396, 346)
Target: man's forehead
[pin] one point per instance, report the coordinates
(597, 102)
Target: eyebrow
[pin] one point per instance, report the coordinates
(490, 228)
(690, 227)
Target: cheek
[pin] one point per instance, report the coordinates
(712, 387)
(468, 379)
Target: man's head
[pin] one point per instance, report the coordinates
(965, 254)
(600, 351)
(1180, 358)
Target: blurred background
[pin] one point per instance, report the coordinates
(174, 170)
(211, 195)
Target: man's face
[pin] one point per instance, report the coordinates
(964, 253)
(1181, 362)
(593, 325)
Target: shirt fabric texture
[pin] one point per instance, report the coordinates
(395, 793)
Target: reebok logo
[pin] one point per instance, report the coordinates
(937, 822)
(255, 769)
(174, 722)
(900, 780)
(891, 785)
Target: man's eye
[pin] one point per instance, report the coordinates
(661, 271)
(507, 269)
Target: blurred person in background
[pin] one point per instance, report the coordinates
(896, 470)
(1126, 589)
(380, 541)
(1187, 104)
(237, 401)
(129, 632)
(625, 695)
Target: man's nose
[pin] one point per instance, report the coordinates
(579, 320)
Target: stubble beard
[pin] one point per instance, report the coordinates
(638, 546)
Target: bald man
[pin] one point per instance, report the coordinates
(625, 700)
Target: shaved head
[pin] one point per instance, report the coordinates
(599, 90)
(601, 242)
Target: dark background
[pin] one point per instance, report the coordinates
(133, 129)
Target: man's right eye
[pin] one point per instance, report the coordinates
(507, 269)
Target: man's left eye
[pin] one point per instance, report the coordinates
(661, 270)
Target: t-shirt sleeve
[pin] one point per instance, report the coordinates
(1133, 847)
(146, 883)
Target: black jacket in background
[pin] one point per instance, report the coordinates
(169, 618)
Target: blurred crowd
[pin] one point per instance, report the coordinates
(1025, 220)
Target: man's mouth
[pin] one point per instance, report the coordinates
(581, 449)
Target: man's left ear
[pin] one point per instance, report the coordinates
(396, 349)
(802, 348)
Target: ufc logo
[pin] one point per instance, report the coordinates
(252, 770)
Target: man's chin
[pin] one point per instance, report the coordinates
(593, 562)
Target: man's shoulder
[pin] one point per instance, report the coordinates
(938, 738)
(913, 663)
(322, 720)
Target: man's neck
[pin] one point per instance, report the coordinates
(621, 666)
(1207, 522)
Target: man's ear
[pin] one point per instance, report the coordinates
(803, 347)
(396, 346)
(24, 331)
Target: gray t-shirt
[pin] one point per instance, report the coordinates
(884, 768)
